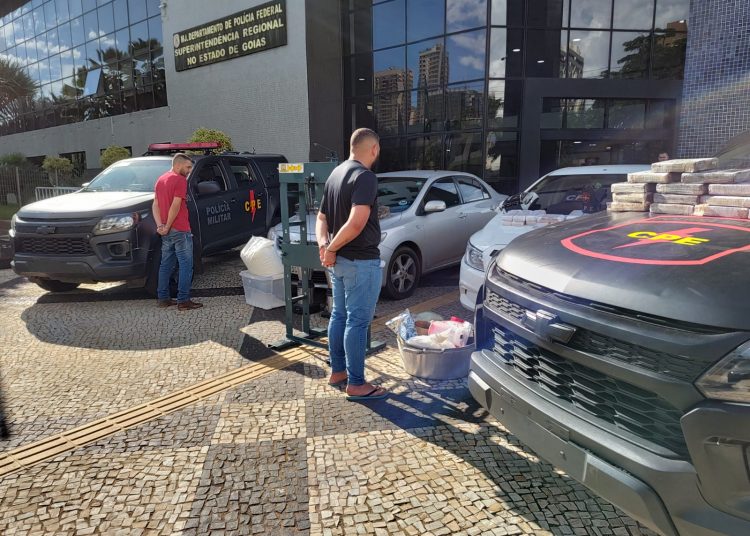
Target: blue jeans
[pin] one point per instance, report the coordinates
(176, 246)
(356, 286)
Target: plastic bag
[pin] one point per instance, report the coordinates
(261, 258)
(431, 342)
(403, 325)
(457, 333)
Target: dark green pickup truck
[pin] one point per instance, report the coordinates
(105, 231)
(617, 346)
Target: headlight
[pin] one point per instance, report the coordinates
(116, 223)
(382, 236)
(12, 231)
(474, 257)
(730, 379)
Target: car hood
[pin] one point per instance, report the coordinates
(687, 268)
(389, 222)
(86, 205)
(496, 235)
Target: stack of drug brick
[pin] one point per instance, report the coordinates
(685, 187)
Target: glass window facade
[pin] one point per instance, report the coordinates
(443, 81)
(87, 58)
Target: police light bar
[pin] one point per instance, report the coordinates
(168, 147)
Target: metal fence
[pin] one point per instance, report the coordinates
(18, 186)
(45, 192)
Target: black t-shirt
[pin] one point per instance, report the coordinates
(351, 184)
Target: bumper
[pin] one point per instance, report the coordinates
(661, 493)
(100, 264)
(470, 281)
(77, 270)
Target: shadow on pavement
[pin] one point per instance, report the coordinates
(524, 485)
(146, 327)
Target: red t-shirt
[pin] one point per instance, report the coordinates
(169, 186)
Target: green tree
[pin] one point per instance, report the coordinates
(667, 56)
(15, 160)
(112, 154)
(209, 134)
(17, 89)
(58, 168)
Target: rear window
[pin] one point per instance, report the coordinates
(269, 169)
(562, 194)
(130, 176)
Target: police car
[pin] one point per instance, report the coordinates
(617, 347)
(105, 231)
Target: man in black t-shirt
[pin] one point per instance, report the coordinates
(348, 233)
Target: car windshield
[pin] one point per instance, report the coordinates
(130, 176)
(398, 193)
(562, 194)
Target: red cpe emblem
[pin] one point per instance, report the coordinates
(665, 241)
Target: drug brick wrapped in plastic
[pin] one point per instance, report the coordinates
(724, 176)
(677, 199)
(651, 177)
(633, 198)
(685, 165)
(726, 201)
(632, 187)
(666, 208)
(679, 188)
(616, 206)
(729, 189)
(721, 212)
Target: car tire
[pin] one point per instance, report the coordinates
(404, 271)
(53, 285)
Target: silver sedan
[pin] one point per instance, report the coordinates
(426, 220)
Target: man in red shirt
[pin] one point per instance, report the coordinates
(176, 238)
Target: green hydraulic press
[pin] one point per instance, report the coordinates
(301, 185)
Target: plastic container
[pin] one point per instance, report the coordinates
(266, 292)
(436, 364)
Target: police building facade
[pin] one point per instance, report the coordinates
(505, 89)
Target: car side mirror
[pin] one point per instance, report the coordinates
(434, 206)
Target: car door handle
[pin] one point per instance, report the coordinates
(461, 216)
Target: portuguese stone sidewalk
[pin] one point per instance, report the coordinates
(282, 453)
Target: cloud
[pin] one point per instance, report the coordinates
(473, 62)
(472, 11)
(472, 41)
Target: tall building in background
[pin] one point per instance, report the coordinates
(433, 75)
(433, 67)
(392, 84)
(533, 90)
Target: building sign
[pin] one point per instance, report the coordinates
(253, 30)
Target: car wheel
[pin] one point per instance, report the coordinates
(53, 285)
(404, 271)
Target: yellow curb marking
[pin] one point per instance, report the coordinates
(25, 456)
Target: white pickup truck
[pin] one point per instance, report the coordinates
(562, 194)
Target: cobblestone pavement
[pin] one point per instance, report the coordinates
(281, 454)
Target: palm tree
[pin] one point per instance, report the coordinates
(17, 89)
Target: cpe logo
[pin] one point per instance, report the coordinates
(252, 205)
(664, 240)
